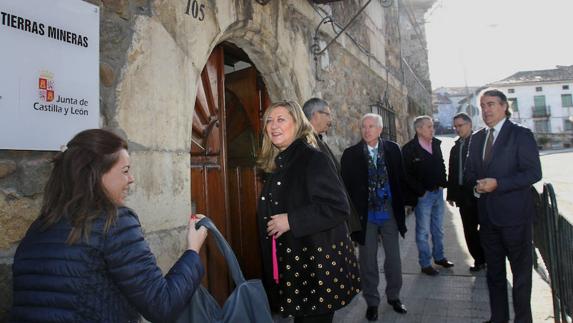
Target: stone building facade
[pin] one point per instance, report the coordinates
(152, 54)
(414, 56)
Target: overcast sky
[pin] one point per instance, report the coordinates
(476, 42)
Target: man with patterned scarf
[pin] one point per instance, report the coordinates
(373, 174)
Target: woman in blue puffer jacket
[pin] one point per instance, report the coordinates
(85, 259)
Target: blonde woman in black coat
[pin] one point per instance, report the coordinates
(309, 265)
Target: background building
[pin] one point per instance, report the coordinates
(542, 101)
(186, 82)
(447, 101)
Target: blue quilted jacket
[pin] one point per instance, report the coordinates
(112, 278)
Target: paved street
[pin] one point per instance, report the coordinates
(558, 170)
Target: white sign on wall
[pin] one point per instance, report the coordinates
(49, 72)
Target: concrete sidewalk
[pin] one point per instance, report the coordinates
(453, 296)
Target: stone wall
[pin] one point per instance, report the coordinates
(22, 179)
(415, 68)
(151, 56)
(351, 88)
(354, 73)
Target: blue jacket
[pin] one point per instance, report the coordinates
(113, 277)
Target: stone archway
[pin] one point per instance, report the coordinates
(285, 67)
(227, 124)
(234, 181)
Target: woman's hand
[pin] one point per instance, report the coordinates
(196, 238)
(278, 225)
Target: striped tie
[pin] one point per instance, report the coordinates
(488, 146)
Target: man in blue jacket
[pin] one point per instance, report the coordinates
(502, 165)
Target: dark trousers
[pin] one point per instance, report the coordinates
(514, 243)
(321, 318)
(470, 219)
(368, 256)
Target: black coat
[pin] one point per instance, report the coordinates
(424, 171)
(455, 191)
(111, 278)
(353, 220)
(317, 266)
(355, 175)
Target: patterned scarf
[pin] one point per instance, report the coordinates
(378, 187)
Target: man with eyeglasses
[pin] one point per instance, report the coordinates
(461, 195)
(318, 113)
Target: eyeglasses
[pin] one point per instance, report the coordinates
(324, 112)
(456, 126)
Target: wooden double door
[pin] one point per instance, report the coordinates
(224, 183)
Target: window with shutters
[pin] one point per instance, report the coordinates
(566, 100)
(513, 104)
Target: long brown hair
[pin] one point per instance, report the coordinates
(304, 130)
(74, 189)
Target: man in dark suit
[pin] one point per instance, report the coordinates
(462, 195)
(373, 173)
(318, 113)
(503, 163)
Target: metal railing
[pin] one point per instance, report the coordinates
(553, 237)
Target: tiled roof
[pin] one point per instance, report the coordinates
(561, 73)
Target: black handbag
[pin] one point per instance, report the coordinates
(247, 303)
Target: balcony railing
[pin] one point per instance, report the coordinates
(541, 111)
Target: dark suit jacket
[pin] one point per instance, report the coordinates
(353, 220)
(322, 146)
(355, 175)
(515, 165)
(455, 192)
